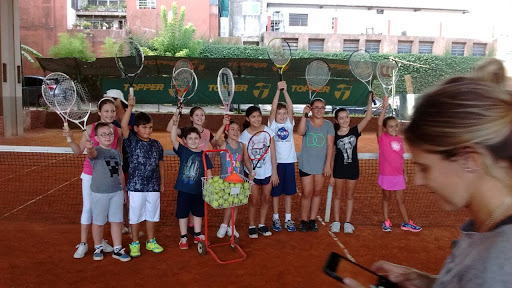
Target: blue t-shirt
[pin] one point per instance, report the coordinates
(144, 164)
(191, 170)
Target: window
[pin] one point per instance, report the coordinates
(276, 21)
(458, 48)
(350, 45)
(298, 19)
(333, 22)
(293, 42)
(146, 4)
(316, 45)
(404, 47)
(479, 49)
(425, 47)
(372, 46)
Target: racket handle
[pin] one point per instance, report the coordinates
(281, 77)
(68, 138)
(373, 100)
(86, 135)
(386, 98)
(227, 125)
(306, 115)
(131, 91)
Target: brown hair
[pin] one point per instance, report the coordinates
(491, 70)
(99, 125)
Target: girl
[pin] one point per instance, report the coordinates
(229, 140)
(345, 162)
(264, 174)
(107, 113)
(461, 142)
(391, 168)
(314, 161)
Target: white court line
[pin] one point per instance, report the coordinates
(343, 248)
(34, 200)
(30, 169)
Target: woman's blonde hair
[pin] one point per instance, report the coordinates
(491, 70)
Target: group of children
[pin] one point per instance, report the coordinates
(327, 151)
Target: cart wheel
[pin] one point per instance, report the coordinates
(201, 248)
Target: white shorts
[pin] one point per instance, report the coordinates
(86, 217)
(109, 205)
(144, 206)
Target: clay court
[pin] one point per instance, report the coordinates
(41, 203)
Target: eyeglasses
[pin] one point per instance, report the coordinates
(318, 108)
(106, 135)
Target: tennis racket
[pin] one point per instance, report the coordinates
(80, 111)
(226, 89)
(280, 53)
(361, 65)
(185, 83)
(182, 63)
(59, 93)
(129, 60)
(387, 72)
(258, 147)
(317, 75)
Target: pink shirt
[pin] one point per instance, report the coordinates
(391, 155)
(87, 163)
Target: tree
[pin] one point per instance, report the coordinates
(175, 38)
(26, 51)
(72, 45)
(108, 49)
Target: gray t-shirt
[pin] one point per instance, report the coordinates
(479, 259)
(105, 171)
(314, 147)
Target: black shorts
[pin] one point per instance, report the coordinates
(189, 203)
(303, 174)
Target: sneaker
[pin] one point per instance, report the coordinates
(121, 256)
(411, 227)
(135, 249)
(335, 227)
(303, 226)
(125, 230)
(98, 254)
(253, 233)
(386, 226)
(222, 230)
(236, 232)
(183, 243)
(348, 228)
(106, 247)
(276, 225)
(199, 238)
(81, 250)
(290, 226)
(153, 246)
(312, 225)
(263, 230)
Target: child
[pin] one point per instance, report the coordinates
(188, 183)
(229, 140)
(107, 195)
(107, 112)
(281, 123)
(391, 168)
(146, 177)
(265, 173)
(314, 161)
(345, 162)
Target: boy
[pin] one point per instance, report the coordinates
(188, 183)
(107, 195)
(146, 177)
(281, 122)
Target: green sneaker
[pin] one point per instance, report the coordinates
(153, 246)
(135, 249)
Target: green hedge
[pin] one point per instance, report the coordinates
(441, 67)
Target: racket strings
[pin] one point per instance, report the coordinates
(58, 91)
(279, 52)
(182, 79)
(317, 74)
(182, 63)
(226, 85)
(129, 57)
(387, 72)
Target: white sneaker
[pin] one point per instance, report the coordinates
(236, 232)
(348, 228)
(81, 250)
(335, 227)
(106, 247)
(222, 230)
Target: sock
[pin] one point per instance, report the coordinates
(288, 216)
(252, 227)
(117, 248)
(275, 216)
(183, 236)
(223, 225)
(83, 243)
(96, 247)
(197, 234)
(260, 225)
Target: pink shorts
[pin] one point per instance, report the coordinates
(392, 183)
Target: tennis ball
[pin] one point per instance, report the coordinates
(215, 204)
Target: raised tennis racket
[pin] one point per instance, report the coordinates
(226, 89)
(59, 93)
(80, 111)
(182, 63)
(361, 65)
(184, 81)
(387, 73)
(129, 60)
(258, 147)
(280, 53)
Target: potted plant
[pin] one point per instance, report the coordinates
(86, 25)
(76, 25)
(104, 25)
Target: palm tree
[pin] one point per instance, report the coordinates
(26, 51)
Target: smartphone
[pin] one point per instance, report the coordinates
(339, 267)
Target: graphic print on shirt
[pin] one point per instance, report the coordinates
(314, 139)
(113, 166)
(191, 170)
(237, 158)
(395, 145)
(257, 148)
(346, 145)
(282, 135)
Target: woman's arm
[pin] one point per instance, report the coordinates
(273, 110)
(382, 116)
(91, 152)
(173, 125)
(328, 160)
(289, 103)
(125, 128)
(301, 129)
(367, 116)
(274, 179)
(219, 136)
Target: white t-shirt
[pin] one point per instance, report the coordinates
(283, 139)
(264, 168)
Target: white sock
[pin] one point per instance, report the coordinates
(260, 225)
(223, 225)
(275, 216)
(252, 227)
(117, 248)
(288, 216)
